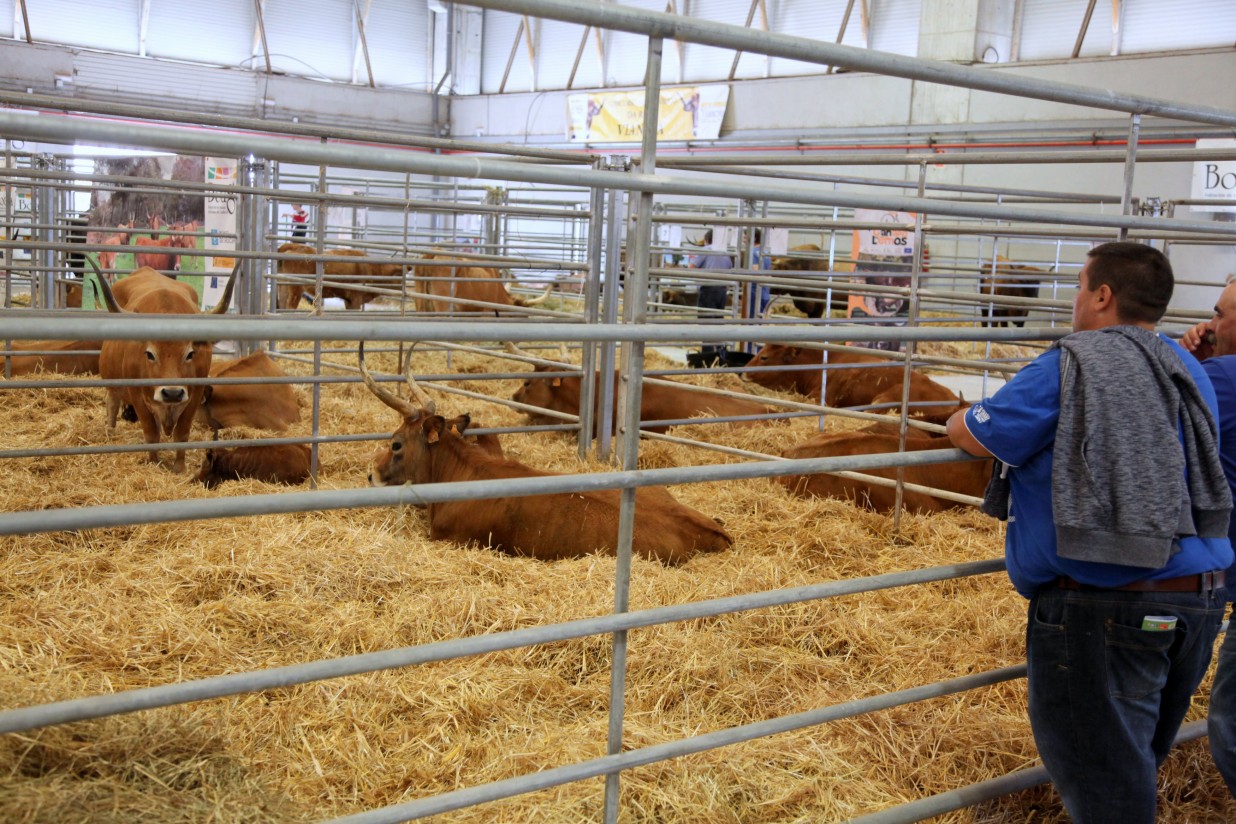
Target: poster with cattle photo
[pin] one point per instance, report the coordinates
(162, 222)
(882, 257)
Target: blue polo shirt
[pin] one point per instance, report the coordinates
(1018, 426)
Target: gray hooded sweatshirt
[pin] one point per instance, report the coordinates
(1125, 392)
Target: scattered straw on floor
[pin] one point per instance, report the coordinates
(108, 610)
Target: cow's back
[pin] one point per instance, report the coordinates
(150, 292)
(66, 358)
(565, 525)
(661, 402)
(967, 478)
(270, 406)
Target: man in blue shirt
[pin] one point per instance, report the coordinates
(1117, 533)
(1214, 343)
(712, 295)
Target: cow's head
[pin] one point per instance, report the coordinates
(169, 360)
(540, 390)
(209, 475)
(405, 458)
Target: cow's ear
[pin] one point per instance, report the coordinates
(432, 426)
(460, 424)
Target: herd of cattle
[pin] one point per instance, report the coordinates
(429, 448)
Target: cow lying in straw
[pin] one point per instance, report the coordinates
(968, 478)
(548, 389)
(271, 406)
(277, 464)
(73, 357)
(428, 448)
(872, 380)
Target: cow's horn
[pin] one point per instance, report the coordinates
(509, 345)
(389, 398)
(418, 394)
(105, 288)
(226, 300)
(537, 301)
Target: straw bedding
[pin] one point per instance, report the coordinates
(116, 609)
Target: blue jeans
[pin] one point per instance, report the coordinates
(1221, 725)
(712, 297)
(1107, 697)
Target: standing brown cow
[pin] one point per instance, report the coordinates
(170, 407)
(658, 402)
(809, 301)
(876, 381)
(360, 274)
(1009, 280)
(270, 406)
(427, 448)
(461, 288)
(968, 478)
(160, 255)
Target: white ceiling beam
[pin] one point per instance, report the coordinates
(259, 34)
(1081, 34)
(362, 16)
(21, 16)
(143, 27)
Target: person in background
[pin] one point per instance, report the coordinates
(300, 221)
(1214, 343)
(711, 295)
(1117, 532)
(759, 260)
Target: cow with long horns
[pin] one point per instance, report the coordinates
(169, 407)
(428, 448)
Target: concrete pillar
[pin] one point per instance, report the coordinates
(966, 31)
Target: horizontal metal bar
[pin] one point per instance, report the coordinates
(98, 517)
(14, 124)
(946, 158)
(367, 135)
(705, 32)
(1014, 782)
(98, 706)
(98, 326)
(532, 782)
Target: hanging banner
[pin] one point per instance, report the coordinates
(882, 257)
(143, 218)
(690, 113)
(1215, 179)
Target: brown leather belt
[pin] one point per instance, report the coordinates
(1202, 582)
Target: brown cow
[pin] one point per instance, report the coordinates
(879, 381)
(1009, 280)
(168, 408)
(427, 448)
(658, 402)
(459, 288)
(75, 357)
(276, 464)
(158, 258)
(270, 406)
(968, 478)
(808, 301)
(361, 273)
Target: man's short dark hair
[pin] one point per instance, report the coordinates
(1139, 276)
(708, 237)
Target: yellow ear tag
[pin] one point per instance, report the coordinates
(432, 436)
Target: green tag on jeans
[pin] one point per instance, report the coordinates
(1159, 623)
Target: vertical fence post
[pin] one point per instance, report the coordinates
(634, 310)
